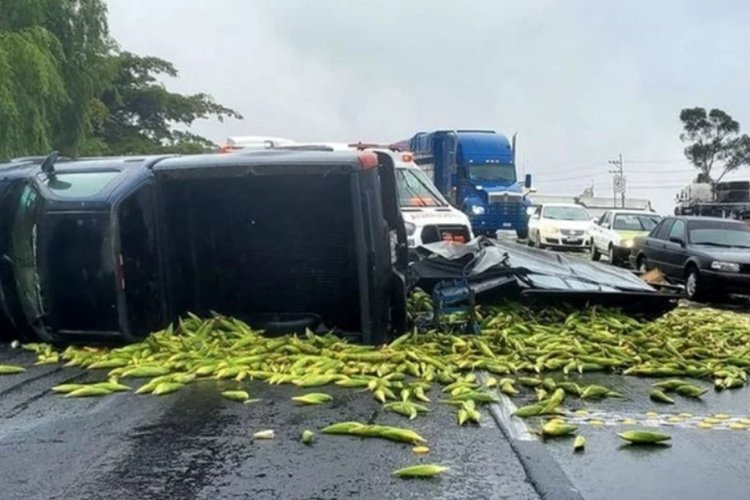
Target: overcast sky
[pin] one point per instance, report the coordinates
(580, 81)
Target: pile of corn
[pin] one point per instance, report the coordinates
(515, 342)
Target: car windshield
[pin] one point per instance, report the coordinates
(493, 172)
(566, 213)
(416, 190)
(723, 234)
(635, 222)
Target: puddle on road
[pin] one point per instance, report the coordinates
(715, 421)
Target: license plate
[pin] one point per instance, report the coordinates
(571, 238)
(507, 224)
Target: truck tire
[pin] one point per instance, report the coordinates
(522, 234)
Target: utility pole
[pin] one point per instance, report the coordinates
(618, 181)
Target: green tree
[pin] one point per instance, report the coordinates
(79, 60)
(32, 90)
(142, 115)
(65, 85)
(714, 143)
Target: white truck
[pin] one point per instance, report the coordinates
(427, 214)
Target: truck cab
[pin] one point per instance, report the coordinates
(428, 217)
(78, 257)
(475, 170)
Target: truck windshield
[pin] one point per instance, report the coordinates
(566, 213)
(492, 173)
(416, 190)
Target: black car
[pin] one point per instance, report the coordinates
(710, 256)
(115, 248)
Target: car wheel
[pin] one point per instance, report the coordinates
(641, 264)
(539, 243)
(693, 287)
(612, 258)
(595, 255)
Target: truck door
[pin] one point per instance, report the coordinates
(446, 176)
(76, 259)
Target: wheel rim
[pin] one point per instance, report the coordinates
(642, 266)
(692, 284)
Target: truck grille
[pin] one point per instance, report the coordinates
(501, 198)
(434, 233)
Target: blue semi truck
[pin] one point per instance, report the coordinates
(476, 171)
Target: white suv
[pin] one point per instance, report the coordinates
(560, 225)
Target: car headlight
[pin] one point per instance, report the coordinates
(729, 267)
(551, 230)
(627, 243)
(410, 227)
(477, 210)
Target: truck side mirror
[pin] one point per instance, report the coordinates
(527, 181)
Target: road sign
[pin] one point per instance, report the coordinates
(619, 183)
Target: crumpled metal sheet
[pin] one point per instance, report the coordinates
(533, 268)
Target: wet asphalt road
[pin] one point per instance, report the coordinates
(699, 463)
(194, 444)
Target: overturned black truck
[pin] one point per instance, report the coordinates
(114, 248)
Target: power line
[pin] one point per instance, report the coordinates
(657, 161)
(564, 177)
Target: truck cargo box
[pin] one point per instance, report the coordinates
(283, 239)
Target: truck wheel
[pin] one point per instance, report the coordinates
(522, 234)
(595, 255)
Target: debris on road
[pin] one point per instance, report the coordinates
(644, 437)
(517, 344)
(421, 470)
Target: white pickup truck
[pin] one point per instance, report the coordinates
(427, 214)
